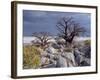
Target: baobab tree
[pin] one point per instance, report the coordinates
(43, 38)
(68, 29)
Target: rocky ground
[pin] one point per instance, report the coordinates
(57, 55)
(77, 57)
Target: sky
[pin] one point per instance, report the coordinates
(46, 21)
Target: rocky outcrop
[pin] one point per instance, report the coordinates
(82, 57)
(50, 58)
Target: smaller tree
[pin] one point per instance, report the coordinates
(43, 38)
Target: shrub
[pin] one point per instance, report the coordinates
(68, 49)
(31, 57)
(87, 42)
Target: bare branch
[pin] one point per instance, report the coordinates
(43, 37)
(68, 29)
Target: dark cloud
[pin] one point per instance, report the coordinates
(37, 21)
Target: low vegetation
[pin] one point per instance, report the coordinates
(68, 50)
(87, 42)
(31, 57)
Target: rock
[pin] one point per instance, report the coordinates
(44, 53)
(69, 58)
(86, 50)
(49, 66)
(84, 63)
(51, 50)
(80, 57)
(61, 62)
(56, 46)
(44, 60)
